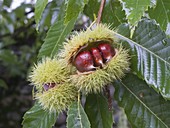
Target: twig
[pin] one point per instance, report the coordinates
(100, 11)
(109, 98)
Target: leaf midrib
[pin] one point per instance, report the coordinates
(59, 39)
(39, 122)
(79, 114)
(99, 112)
(126, 39)
(144, 104)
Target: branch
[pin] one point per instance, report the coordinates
(100, 11)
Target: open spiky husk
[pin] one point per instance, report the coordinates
(83, 38)
(96, 80)
(57, 99)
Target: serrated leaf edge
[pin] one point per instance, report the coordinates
(127, 39)
(127, 9)
(39, 17)
(144, 104)
(79, 114)
(67, 3)
(42, 118)
(65, 26)
(119, 36)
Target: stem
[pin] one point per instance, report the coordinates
(78, 96)
(109, 98)
(100, 11)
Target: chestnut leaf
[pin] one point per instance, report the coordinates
(74, 8)
(143, 106)
(161, 13)
(135, 9)
(36, 117)
(77, 117)
(55, 37)
(150, 51)
(39, 8)
(98, 112)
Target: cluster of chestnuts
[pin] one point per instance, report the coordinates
(89, 60)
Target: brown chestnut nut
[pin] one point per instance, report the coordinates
(84, 62)
(98, 60)
(107, 51)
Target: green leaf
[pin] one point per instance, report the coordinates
(8, 57)
(143, 106)
(150, 53)
(36, 117)
(161, 13)
(62, 14)
(77, 118)
(135, 9)
(3, 84)
(48, 16)
(55, 37)
(97, 111)
(112, 12)
(6, 2)
(74, 7)
(39, 8)
(124, 30)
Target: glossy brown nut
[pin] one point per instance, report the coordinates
(98, 60)
(52, 85)
(107, 51)
(84, 61)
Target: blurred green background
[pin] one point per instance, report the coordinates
(19, 45)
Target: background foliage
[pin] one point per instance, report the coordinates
(143, 28)
(19, 46)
